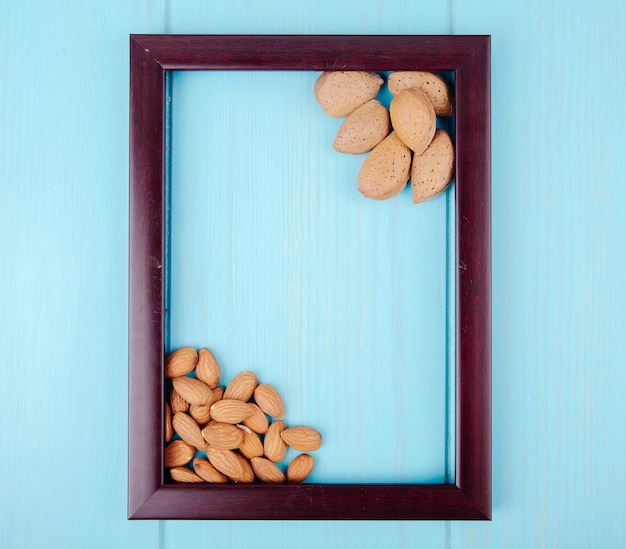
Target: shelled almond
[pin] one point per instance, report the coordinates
(232, 433)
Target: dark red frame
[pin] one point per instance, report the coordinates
(151, 56)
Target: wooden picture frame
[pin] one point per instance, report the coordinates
(151, 57)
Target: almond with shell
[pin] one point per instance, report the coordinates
(192, 390)
(208, 472)
(188, 430)
(364, 128)
(230, 410)
(223, 435)
(267, 471)
(413, 119)
(183, 474)
(177, 402)
(300, 468)
(180, 362)
(432, 171)
(257, 421)
(269, 400)
(274, 446)
(208, 369)
(341, 92)
(242, 386)
(178, 453)
(201, 413)
(433, 85)
(301, 438)
(251, 445)
(232, 464)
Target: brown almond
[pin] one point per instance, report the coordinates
(385, 170)
(223, 435)
(242, 386)
(300, 468)
(269, 400)
(208, 472)
(192, 390)
(182, 474)
(303, 439)
(413, 119)
(341, 92)
(257, 421)
(251, 445)
(231, 464)
(230, 411)
(178, 453)
(201, 413)
(364, 128)
(169, 430)
(432, 171)
(188, 430)
(180, 362)
(177, 402)
(208, 369)
(431, 84)
(267, 471)
(274, 446)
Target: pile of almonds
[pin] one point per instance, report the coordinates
(228, 434)
(403, 142)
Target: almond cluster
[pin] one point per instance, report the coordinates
(403, 142)
(228, 434)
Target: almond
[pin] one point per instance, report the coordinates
(432, 171)
(231, 464)
(341, 92)
(201, 413)
(269, 400)
(242, 386)
(257, 421)
(251, 446)
(182, 474)
(178, 453)
(178, 403)
(364, 128)
(431, 84)
(188, 430)
(385, 171)
(267, 471)
(223, 435)
(300, 468)
(208, 472)
(230, 411)
(169, 430)
(192, 390)
(208, 370)
(413, 119)
(303, 439)
(274, 447)
(180, 362)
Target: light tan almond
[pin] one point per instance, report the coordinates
(208, 472)
(257, 421)
(269, 400)
(432, 171)
(242, 386)
(180, 362)
(431, 84)
(230, 410)
(169, 430)
(188, 430)
(208, 369)
(218, 394)
(341, 92)
(413, 119)
(385, 170)
(267, 471)
(201, 413)
(364, 128)
(300, 468)
(178, 403)
(274, 447)
(182, 474)
(231, 464)
(192, 390)
(303, 439)
(223, 435)
(178, 453)
(251, 446)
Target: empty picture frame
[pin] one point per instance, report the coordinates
(151, 57)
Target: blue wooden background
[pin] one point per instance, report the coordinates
(558, 246)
